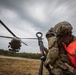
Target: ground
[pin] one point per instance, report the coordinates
(19, 66)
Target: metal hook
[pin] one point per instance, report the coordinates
(39, 34)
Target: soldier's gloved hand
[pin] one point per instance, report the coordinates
(43, 58)
(46, 63)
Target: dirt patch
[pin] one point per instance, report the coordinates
(19, 67)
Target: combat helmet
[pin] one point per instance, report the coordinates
(63, 28)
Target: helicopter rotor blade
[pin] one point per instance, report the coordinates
(8, 28)
(10, 32)
(12, 38)
(29, 38)
(6, 37)
(15, 37)
(24, 43)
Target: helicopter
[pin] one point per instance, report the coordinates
(15, 43)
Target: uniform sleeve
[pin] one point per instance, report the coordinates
(52, 42)
(53, 51)
(46, 50)
(52, 55)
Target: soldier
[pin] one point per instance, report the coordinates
(57, 56)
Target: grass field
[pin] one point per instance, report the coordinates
(22, 66)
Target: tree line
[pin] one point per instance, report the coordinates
(24, 54)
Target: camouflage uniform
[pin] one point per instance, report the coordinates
(56, 55)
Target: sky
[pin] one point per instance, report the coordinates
(27, 17)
